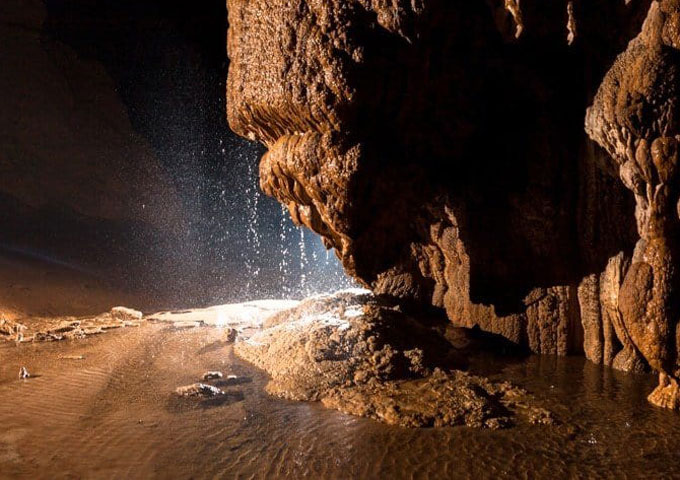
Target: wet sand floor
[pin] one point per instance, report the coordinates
(113, 414)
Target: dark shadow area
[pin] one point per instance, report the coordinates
(179, 405)
(230, 382)
(491, 129)
(215, 346)
(495, 345)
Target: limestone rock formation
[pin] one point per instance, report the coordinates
(439, 148)
(635, 117)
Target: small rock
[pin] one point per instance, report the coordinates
(10, 328)
(232, 377)
(541, 416)
(212, 375)
(47, 337)
(187, 324)
(497, 423)
(23, 373)
(230, 335)
(198, 390)
(125, 314)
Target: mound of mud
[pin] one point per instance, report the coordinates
(358, 354)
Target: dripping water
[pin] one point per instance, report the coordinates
(285, 252)
(253, 252)
(256, 251)
(304, 264)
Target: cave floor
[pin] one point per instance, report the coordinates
(104, 407)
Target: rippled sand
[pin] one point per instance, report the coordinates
(113, 414)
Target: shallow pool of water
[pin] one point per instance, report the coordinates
(113, 414)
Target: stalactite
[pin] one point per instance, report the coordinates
(513, 6)
(571, 23)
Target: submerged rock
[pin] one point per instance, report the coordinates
(364, 357)
(212, 375)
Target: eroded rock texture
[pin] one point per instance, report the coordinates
(439, 148)
(362, 356)
(635, 118)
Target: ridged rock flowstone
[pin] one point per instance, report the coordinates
(636, 118)
(439, 147)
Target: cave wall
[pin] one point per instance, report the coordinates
(439, 148)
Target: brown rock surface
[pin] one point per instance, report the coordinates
(635, 118)
(439, 148)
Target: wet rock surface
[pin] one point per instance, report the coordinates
(360, 355)
(635, 118)
(198, 390)
(440, 149)
(440, 399)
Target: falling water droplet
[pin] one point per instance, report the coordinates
(283, 263)
(252, 253)
(303, 263)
